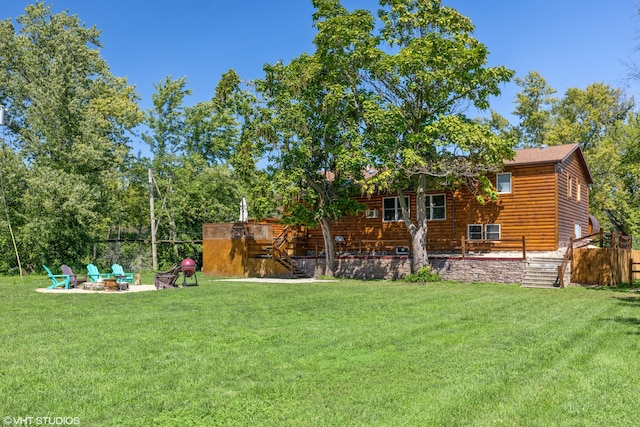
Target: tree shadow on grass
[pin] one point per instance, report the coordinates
(621, 288)
(626, 296)
(629, 301)
(632, 322)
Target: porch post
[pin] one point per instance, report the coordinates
(462, 246)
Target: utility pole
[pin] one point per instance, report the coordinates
(4, 197)
(154, 250)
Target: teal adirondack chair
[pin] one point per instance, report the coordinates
(118, 272)
(58, 280)
(94, 275)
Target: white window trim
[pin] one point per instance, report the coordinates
(398, 209)
(469, 231)
(483, 231)
(510, 183)
(430, 207)
(486, 237)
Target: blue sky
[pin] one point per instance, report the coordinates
(572, 43)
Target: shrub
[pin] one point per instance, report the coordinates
(423, 275)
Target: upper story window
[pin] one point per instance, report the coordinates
(574, 184)
(391, 209)
(503, 182)
(436, 206)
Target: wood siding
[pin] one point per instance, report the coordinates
(537, 207)
(572, 209)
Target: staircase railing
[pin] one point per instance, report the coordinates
(562, 268)
(281, 238)
(280, 255)
(284, 260)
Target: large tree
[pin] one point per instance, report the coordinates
(422, 69)
(586, 115)
(614, 197)
(533, 107)
(70, 122)
(193, 181)
(313, 126)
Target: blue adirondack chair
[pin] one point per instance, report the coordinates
(94, 275)
(58, 280)
(118, 272)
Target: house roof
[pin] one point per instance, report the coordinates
(553, 154)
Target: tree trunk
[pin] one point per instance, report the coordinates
(330, 267)
(418, 231)
(419, 248)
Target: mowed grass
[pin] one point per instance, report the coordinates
(346, 353)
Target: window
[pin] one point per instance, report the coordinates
(391, 210)
(474, 231)
(578, 191)
(436, 206)
(503, 182)
(569, 186)
(492, 231)
(577, 231)
(486, 231)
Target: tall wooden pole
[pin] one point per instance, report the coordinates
(154, 250)
(4, 197)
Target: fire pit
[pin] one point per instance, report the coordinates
(110, 285)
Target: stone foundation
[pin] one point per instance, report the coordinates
(467, 270)
(489, 270)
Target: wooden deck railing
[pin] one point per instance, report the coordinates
(364, 246)
(518, 245)
(403, 247)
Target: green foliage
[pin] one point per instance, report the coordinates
(187, 143)
(311, 128)
(70, 123)
(166, 122)
(586, 115)
(424, 275)
(601, 119)
(418, 68)
(533, 107)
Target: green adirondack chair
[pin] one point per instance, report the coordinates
(58, 280)
(118, 272)
(94, 275)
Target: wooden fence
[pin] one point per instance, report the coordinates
(634, 268)
(604, 266)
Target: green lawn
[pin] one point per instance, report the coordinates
(347, 353)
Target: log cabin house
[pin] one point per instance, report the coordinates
(543, 197)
